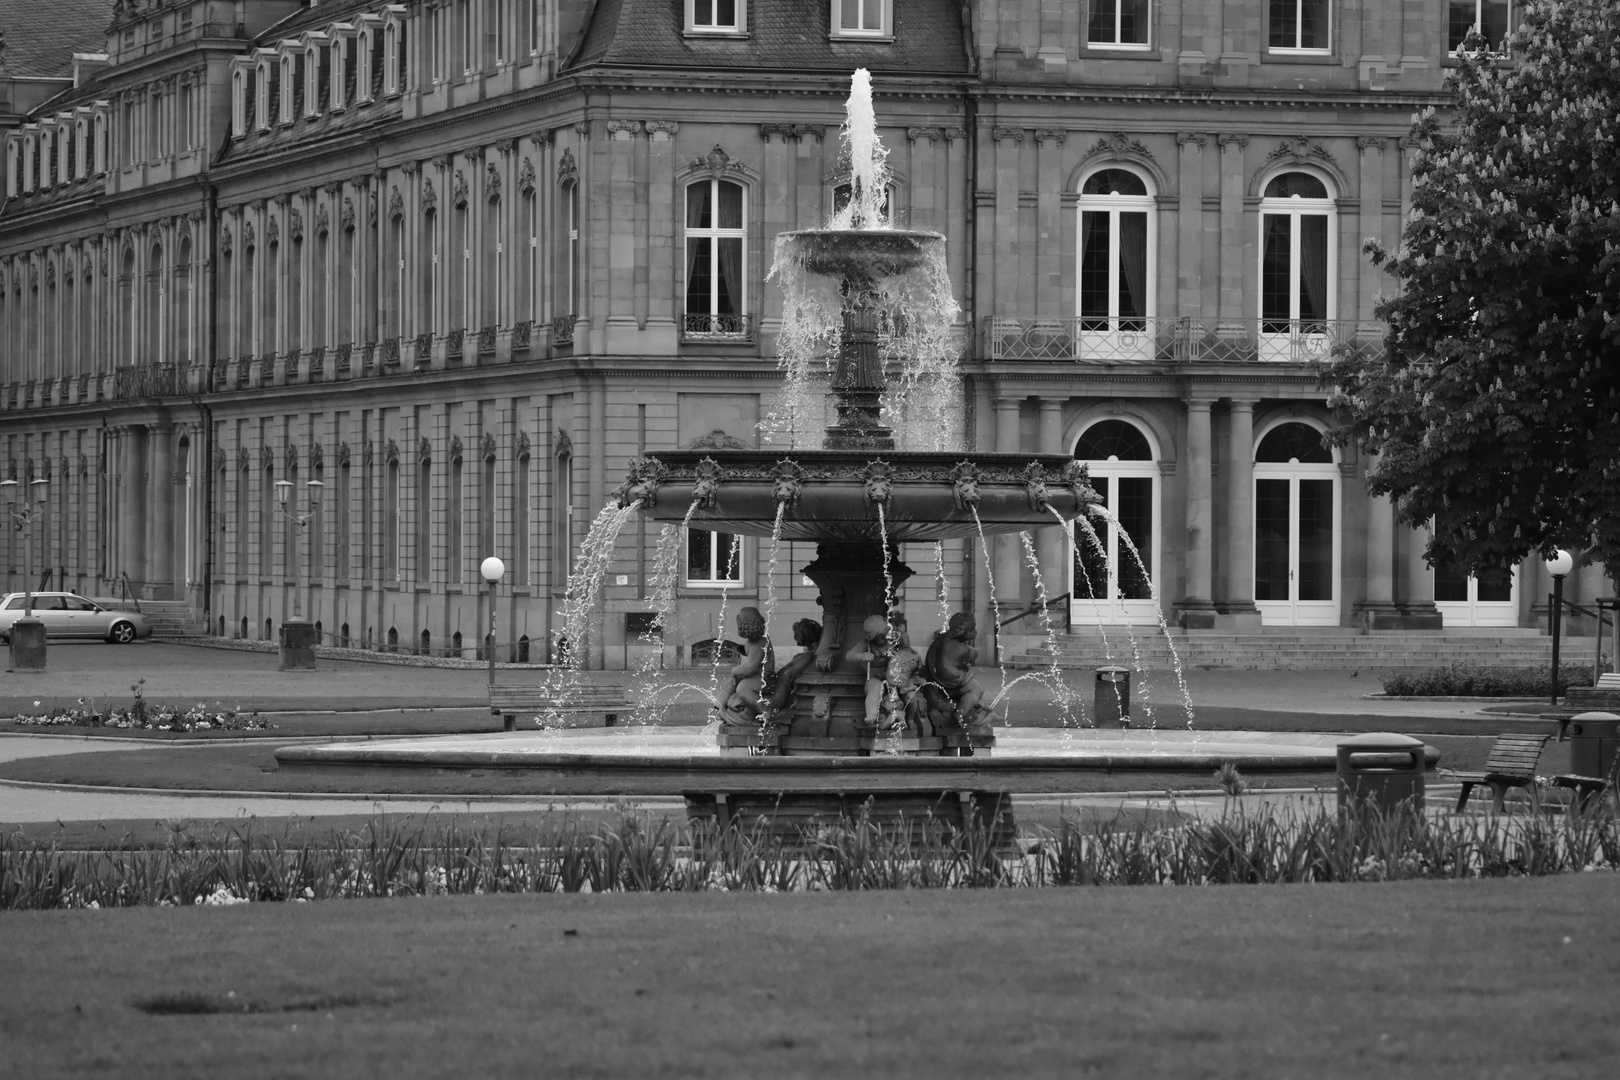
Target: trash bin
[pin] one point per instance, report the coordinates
(1594, 738)
(1112, 701)
(1380, 770)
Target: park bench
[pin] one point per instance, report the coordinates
(1589, 789)
(1511, 763)
(510, 702)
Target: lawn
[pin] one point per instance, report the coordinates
(1472, 979)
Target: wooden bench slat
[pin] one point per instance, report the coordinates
(1510, 763)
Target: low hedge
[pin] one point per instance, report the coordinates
(1474, 680)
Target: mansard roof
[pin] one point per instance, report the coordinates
(316, 17)
(782, 34)
(41, 38)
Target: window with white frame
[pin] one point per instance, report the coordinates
(13, 169)
(862, 18)
(285, 111)
(1116, 251)
(713, 559)
(1297, 254)
(393, 53)
(1119, 24)
(715, 257)
(312, 82)
(81, 156)
(1491, 19)
(262, 96)
(716, 16)
(1301, 25)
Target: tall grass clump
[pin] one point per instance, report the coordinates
(401, 857)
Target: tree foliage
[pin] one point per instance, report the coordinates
(1495, 407)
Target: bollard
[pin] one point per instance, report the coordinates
(27, 645)
(298, 645)
(1111, 704)
(1381, 770)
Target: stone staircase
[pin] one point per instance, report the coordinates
(169, 618)
(1283, 649)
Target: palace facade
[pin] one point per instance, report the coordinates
(461, 260)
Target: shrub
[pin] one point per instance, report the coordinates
(1472, 680)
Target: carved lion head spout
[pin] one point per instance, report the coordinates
(877, 482)
(1077, 478)
(641, 486)
(709, 476)
(965, 485)
(787, 481)
(1035, 487)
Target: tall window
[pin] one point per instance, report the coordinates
(1115, 572)
(520, 522)
(486, 511)
(1493, 19)
(1296, 535)
(423, 554)
(713, 558)
(1301, 25)
(1297, 253)
(343, 493)
(562, 519)
(390, 522)
(240, 534)
(714, 16)
(1119, 23)
(861, 18)
(715, 267)
(453, 521)
(1116, 252)
(572, 269)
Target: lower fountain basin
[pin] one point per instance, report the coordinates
(669, 761)
(835, 494)
(859, 253)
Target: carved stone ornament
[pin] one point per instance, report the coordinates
(272, 232)
(526, 177)
(292, 458)
(219, 460)
(787, 481)
(1051, 135)
(424, 451)
(1035, 486)
(1300, 149)
(346, 216)
(486, 447)
(641, 486)
(1117, 147)
(965, 485)
(368, 453)
(523, 446)
(458, 190)
(719, 163)
(1000, 133)
(1190, 138)
(225, 242)
(623, 130)
(567, 170)
(295, 225)
(709, 477)
(929, 133)
(396, 205)
(247, 236)
(344, 455)
(50, 275)
(267, 458)
(371, 208)
(455, 449)
(1229, 139)
(492, 182)
(391, 453)
(659, 130)
(563, 444)
(317, 458)
(430, 196)
(323, 222)
(1371, 142)
(84, 463)
(716, 440)
(242, 458)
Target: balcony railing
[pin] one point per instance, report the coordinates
(424, 350)
(345, 360)
(455, 346)
(486, 341)
(143, 381)
(1176, 341)
(522, 334)
(562, 330)
(716, 328)
(317, 364)
(390, 353)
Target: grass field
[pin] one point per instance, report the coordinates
(1415, 979)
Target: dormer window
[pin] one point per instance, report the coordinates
(45, 160)
(862, 18)
(311, 62)
(286, 111)
(81, 148)
(264, 96)
(13, 168)
(716, 16)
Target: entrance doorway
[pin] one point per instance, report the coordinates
(1112, 585)
(1296, 528)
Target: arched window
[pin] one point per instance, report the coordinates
(1112, 575)
(572, 268)
(1298, 248)
(1296, 534)
(1117, 240)
(154, 304)
(184, 302)
(562, 518)
(716, 300)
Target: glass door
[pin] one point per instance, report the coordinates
(1464, 600)
(1111, 579)
(1296, 550)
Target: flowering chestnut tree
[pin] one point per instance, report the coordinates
(1495, 407)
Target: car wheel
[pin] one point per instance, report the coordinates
(122, 633)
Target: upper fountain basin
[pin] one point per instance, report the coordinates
(858, 253)
(835, 495)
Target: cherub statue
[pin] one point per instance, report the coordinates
(806, 635)
(949, 665)
(741, 703)
(875, 652)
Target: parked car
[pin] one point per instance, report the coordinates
(68, 615)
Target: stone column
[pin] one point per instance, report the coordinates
(1417, 610)
(159, 495)
(132, 500)
(1378, 606)
(1239, 608)
(1008, 548)
(1052, 544)
(1197, 612)
(1232, 307)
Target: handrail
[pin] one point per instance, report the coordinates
(129, 591)
(1065, 600)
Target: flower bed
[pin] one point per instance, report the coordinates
(141, 716)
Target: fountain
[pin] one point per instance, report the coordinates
(859, 710)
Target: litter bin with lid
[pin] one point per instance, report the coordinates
(1380, 770)
(1594, 738)
(1111, 704)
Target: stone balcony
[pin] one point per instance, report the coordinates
(1162, 342)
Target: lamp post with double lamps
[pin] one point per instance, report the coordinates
(298, 636)
(1559, 567)
(493, 570)
(27, 633)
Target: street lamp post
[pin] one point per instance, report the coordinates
(1559, 567)
(493, 570)
(298, 637)
(27, 633)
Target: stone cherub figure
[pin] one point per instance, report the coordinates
(876, 652)
(949, 665)
(741, 703)
(806, 635)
